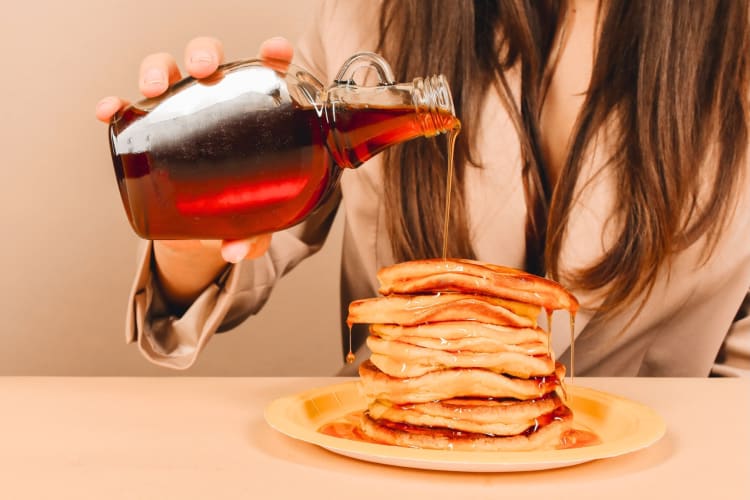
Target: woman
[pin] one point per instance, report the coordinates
(603, 145)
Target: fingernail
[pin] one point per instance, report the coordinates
(235, 252)
(154, 76)
(202, 58)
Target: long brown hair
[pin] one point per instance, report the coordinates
(671, 75)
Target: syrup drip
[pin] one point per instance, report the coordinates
(453, 134)
(549, 331)
(572, 346)
(561, 385)
(350, 357)
(578, 438)
(346, 427)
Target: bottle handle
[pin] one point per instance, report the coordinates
(364, 60)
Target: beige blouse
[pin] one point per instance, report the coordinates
(696, 320)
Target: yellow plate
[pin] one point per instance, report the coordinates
(622, 425)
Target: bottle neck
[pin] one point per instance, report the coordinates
(432, 100)
(363, 121)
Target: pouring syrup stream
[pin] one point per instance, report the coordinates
(452, 135)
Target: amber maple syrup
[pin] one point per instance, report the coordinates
(549, 330)
(452, 136)
(350, 357)
(348, 427)
(572, 345)
(261, 172)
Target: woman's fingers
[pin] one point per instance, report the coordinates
(277, 49)
(237, 250)
(157, 73)
(107, 107)
(203, 55)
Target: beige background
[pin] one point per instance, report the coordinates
(68, 253)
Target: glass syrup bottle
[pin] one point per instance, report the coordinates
(258, 146)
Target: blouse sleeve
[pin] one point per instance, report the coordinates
(241, 291)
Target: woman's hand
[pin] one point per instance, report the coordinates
(186, 267)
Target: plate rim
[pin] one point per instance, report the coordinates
(652, 430)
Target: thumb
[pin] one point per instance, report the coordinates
(236, 250)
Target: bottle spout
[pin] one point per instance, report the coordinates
(432, 96)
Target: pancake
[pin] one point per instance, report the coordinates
(476, 415)
(461, 275)
(467, 336)
(402, 360)
(420, 309)
(452, 383)
(458, 361)
(546, 435)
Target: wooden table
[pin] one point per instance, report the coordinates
(162, 438)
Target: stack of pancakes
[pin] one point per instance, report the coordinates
(458, 361)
